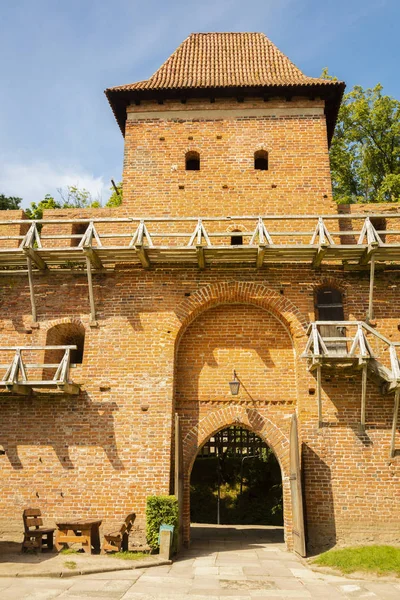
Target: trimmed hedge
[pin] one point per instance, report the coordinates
(160, 510)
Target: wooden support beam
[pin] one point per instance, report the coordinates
(20, 390)
(319, 256)
(370, 314)
(91, 294)
(260, 255)
(142, 255)
(394, 424)
(31, 289)
(391, 386)
(363, 396)
(72, 389)
(319, 396)
(368, 253)
(201, 261)
(93, 257)
(34, 256)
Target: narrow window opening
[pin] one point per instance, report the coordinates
(261, 160)
(192, 161)
(330, 308)
(78, 229)
(380, 225)
(236, 240)
(65, 334)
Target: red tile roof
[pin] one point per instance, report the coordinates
(215, 60)
(224, 61)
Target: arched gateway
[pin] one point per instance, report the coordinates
(254, 343)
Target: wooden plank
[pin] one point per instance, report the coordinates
(200, 257)
(72, 389)
(363, 396)
(368, 253)
(370, 314)
(260, 256)
(34, 256)
(90, 287)
(299, 543)
(31, 289)
(394, 423)
(319, 396)
(319, 256)
(142, 255)
(20, 390)
(93, 257)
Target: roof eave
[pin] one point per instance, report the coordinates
(331, 92)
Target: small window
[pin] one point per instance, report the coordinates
(380, 225)
(261, 160)
(236, 240)
(78, 229)
(330, 305)
(192, 161)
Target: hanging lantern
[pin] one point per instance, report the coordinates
(234, 385)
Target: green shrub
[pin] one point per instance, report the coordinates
(160, 510)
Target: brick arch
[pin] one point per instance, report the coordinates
(65, 320)
(248, 418)
(240, 292)
(243, 416)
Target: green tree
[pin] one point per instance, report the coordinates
(365, 151)
(36, 210)
(70, 197)
(9, 202)
(116, 197)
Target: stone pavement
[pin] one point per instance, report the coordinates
(225, 562)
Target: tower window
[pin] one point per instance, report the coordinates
(261, 160)
(236, 240)
(192, 161)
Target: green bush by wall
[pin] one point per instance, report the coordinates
(159, 510)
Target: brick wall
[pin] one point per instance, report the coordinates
(70, 455)
(168, 338)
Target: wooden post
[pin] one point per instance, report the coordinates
(370, 314)
(319, 398)
(31, 289)
(91, 295)
(363, 396)
(178, 479)
(395, 420)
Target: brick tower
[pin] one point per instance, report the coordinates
(227, 254)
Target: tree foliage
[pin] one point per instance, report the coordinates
(9, 202)
(70, 197)
(116, 197)
(365, 151)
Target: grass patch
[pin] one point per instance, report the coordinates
(70, 564)
(382, 560)
(129, 555)
(68, 551)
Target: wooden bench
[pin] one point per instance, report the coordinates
(113, 542)
(35, 536)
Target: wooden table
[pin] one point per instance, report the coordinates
(81, 531)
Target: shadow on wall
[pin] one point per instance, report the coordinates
(319, 514)
(60, 423)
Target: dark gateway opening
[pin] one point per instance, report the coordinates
(236, 479)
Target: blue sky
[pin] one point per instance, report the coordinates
(57, 57)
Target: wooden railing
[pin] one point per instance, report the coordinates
(206, 242)
(359, 345)
(21, 377)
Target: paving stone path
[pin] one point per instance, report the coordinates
(235, 563)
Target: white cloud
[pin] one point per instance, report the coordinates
(33, 181)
